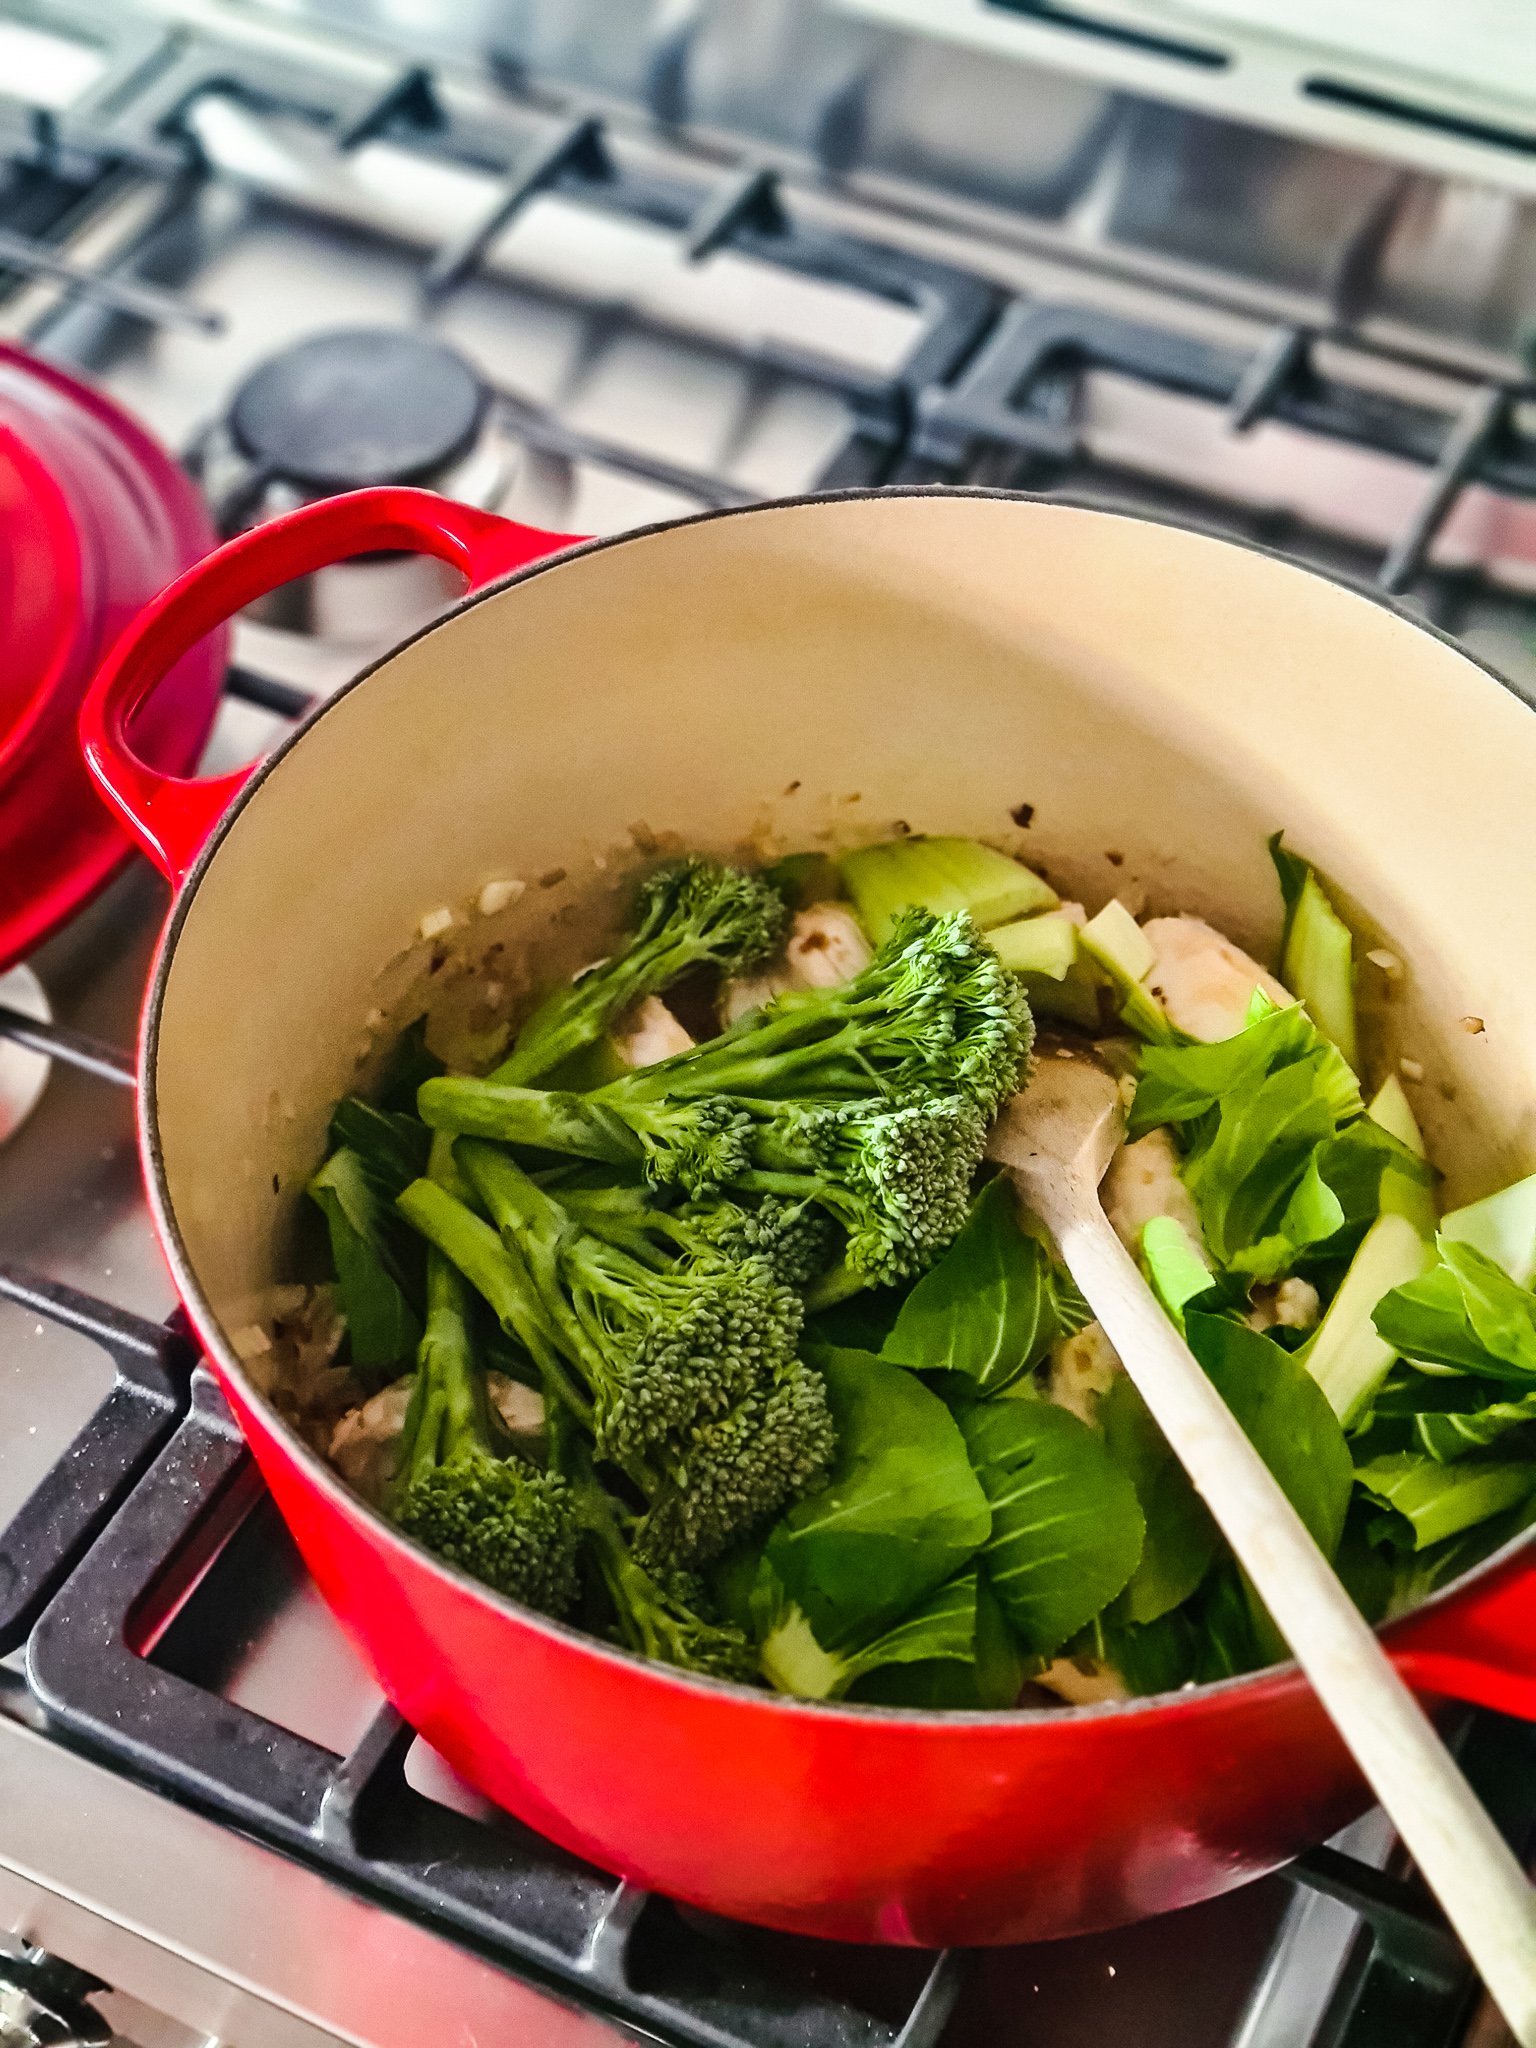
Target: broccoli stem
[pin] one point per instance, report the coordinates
(448, 1402)
(694, 912)
(653, 1618)
(497, 1272)
(495, 1517)
(573, 1124)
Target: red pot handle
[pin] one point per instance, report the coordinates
(1480, 1647)
(169, 815)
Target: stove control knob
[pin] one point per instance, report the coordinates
(42, 2003)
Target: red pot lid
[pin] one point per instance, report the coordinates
(95, 518)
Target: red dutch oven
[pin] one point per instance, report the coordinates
(808, 674)
(95, 519)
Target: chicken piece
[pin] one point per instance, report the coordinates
(1143, 1182)
(826, 947)
(1202, 980)
(649, 1032)
(363, 1443)
(1081, 1682)
(1293, 1305)
(521, 1409)
(1083, 1368)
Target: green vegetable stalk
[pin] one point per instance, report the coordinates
(494, 1516)
(692, 912)
(657, 1611)
(1316, 961)
(942, 876)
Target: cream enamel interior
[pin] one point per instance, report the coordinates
(809, 674)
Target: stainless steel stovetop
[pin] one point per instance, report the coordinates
(698, 254)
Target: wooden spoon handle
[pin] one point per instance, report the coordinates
(1464, 1858)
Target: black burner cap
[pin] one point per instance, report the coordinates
(359, 406)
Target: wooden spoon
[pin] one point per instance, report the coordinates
(1056, 1138)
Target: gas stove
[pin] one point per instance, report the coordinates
(608, 263)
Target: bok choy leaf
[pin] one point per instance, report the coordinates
(1442, 1500)
(1067, 1527)
(1466, 1313)
(383, 1327)
(901, 1511)
(988, 1308)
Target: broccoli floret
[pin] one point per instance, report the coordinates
(738, 1469)
(896, 1176)
(796, 1240)
(492, 1516)
(934, 1012)
(710, 1416)
(691, 912)
(660, 1348)
(661, 1613)
(898, 1180)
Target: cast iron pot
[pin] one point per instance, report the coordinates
(1131, 705)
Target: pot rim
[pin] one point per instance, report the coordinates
(1270, 1678)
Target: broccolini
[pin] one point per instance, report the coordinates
(692, 911)
(495, 1517)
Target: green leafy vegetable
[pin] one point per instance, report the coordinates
(987, 1309)
(409, 1065)
(1181, 1538)
(1176, 1271)
(1151, 1657)
(1284, 1415)
(383, 1327)
(941, 875)
(860, 1322)
(1179, 1084)
(1448, 1434)
(1410, 1196)
(1286, 1418)
(1316, 962)
(1243, 1175)
(1347, 1355)
(1222, 1615)
(901, 1510)
(939, 1629)
(993, 1680)
(393, 1147)
(1503, 1226)
(1466, 1313)
(1442, 1500)
(1067, 1528)
(1418, 1573)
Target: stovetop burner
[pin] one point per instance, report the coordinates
(357, 407)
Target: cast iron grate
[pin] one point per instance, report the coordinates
(986, 372)
(140, 114)
(76, 1498)
(502, 1890)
